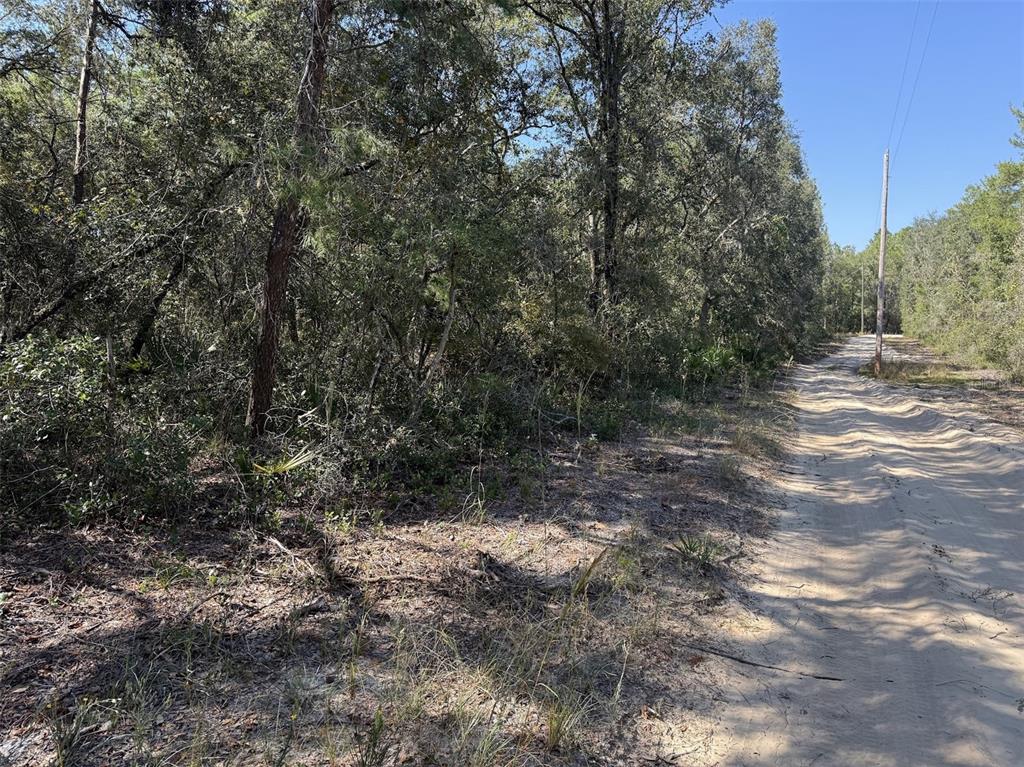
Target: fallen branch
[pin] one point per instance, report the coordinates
(388, 578)
(745, 662)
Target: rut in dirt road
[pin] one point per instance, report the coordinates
(898, 570)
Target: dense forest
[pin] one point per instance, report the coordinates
(364, 241)
(954, 280)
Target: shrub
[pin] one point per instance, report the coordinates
(70, 448)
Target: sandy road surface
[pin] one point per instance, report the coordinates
(899, 570)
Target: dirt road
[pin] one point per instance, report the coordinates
(898, 574)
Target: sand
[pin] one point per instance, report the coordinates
(898, 572)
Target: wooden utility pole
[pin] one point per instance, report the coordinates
(862, 299)
(880, 314)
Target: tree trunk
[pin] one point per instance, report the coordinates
(594, 249)
(611, 77)
(288, 223)
(283, 241)
(435, 363)
(148, 319)
(705, 315)
(150, 315)
(84, 82)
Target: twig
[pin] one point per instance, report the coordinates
(295, 557)
(202, 602)
(745, 662)
(386, 578)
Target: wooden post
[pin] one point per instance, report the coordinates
(862, 299)
(880, 314)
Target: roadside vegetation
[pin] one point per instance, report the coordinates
(913, 364)
(535, 612)
(464, 234)
(974, 391)
(954, 280)
(384, 382)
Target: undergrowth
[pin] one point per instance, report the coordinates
(80, 443)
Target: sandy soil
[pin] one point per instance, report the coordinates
(553, 620)
(890, 601)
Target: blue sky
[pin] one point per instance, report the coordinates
(841, 66)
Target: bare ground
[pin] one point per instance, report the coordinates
(572, 621)
(888, 606)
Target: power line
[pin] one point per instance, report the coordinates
(913, 89)
(903, 76)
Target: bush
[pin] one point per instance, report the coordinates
(72, 450)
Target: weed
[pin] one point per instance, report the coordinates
(299, 693)
(68, 730)
(352, 678)
(199, 747)
(375, 749)
(138, 702)
(697, 552)
(359, 635)
(730, 469)
(914, 373)
(493, 749)
(627, 574)
(564, 715)
(285, 465)
(622, 675)
(341, 520)
(528, 469)
(582, 582)
(377, 521)
(474, 505)
(753, 440)
(478, 745)
(171, 571)
(644, 629)
(333, 744)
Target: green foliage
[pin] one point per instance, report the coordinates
(375, 748)
(697, 552)
(954, 280)
(440, 310)
(961, 280)
(70, 447)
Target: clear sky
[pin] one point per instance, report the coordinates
(842, 62)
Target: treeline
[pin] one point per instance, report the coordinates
(396, 231)
(850, 288)
(954, 280)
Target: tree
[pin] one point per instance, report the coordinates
(287, 227)
(84, 84)
(489, 213)
(601, 50)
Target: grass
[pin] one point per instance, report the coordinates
(411, 648)
(377, 743)
(697, 552)
(929, 369)
(68, 731)
(913, 373)
(730, 470)
(564, 715)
